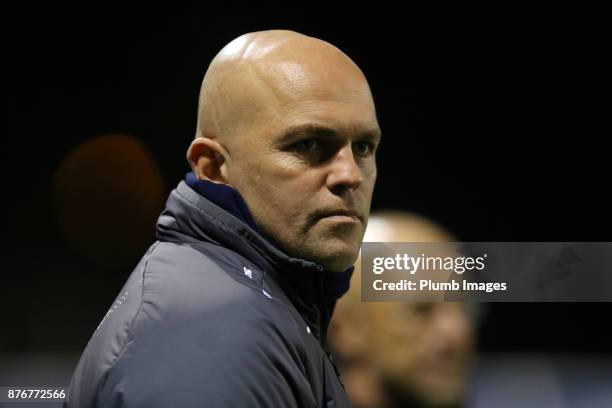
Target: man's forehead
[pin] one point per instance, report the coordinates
(303, 101)
(291, 80)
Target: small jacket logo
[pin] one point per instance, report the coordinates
(118, 302)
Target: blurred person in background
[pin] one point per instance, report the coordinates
(402, 354)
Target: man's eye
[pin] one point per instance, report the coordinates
(363, 148)
(306, 145)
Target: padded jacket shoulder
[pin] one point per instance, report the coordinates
(196, 325)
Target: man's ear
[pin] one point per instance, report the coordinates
(207, 157)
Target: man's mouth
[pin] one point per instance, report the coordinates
(341, 215)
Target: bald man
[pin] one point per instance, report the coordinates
(230, 307)
(402, 354)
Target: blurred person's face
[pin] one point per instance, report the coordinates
(424, 348)
(306, 165)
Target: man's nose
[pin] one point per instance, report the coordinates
(345, 173)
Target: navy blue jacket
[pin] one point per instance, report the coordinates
(214, 315)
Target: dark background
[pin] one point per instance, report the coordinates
(496, 123)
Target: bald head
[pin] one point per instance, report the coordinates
(266, 71)
(289, 122)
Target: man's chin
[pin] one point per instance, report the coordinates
(336, 255)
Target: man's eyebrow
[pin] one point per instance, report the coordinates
(308, 129)
(311, 130)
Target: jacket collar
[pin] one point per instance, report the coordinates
(223, 196)
(197, 214)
